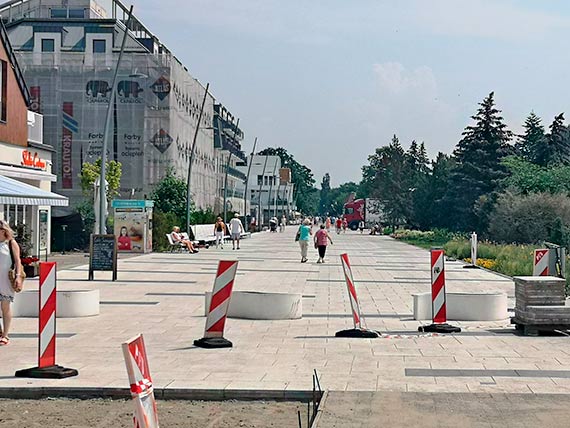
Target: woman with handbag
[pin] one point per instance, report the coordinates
(11, 277)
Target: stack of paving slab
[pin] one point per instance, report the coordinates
(541, 300)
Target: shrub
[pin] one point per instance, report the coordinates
(527, 219)
(162, 224)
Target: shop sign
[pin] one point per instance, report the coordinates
(33, 160)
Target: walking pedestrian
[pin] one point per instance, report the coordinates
(305, 233)
(9, 250)
(220, 232)
(338, 225)
(328, 223)
(344, 225)
(322, 238)
(283, 223)
(236, 229)
(361, 226)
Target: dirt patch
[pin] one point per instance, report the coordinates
(172, 414)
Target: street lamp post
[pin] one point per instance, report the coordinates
(102, 186)
(247, 181)
(226, 172)
(190, 161)
(260, 214)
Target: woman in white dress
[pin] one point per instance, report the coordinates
(6, 290)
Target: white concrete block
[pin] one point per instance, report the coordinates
(465, 306)
(255, 305)
(69, 304)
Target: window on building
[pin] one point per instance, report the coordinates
(266, 180)
(58, 13)
(77, 13)
(99, 46)
(4, 89)
(48, 45)
(259, 180)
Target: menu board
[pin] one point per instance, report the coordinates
(103, 254)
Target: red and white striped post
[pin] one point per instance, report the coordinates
(218, 311)
(357, 331)
(541, 263)
(142, 393)
(47, 328)
(439, 308)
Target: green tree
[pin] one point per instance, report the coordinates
(556, 151)
(90, 172)
(478, 166)
(324, 203)
(530, 144)
(339, 196)
(304, 192)
(169, 196)
(528, 177)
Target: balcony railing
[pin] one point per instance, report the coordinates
(35, 127)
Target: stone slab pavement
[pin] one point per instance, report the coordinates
(162, 296)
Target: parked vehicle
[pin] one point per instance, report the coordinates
(368, 210)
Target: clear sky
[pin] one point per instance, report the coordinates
(331, 80)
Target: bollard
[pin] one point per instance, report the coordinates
(473, 241)
(357, 331)
(439, 309)
(142, 393)
(217, 314)
(47, 329)
(541, 263)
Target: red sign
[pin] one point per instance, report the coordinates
(33, 160)
(67, 140)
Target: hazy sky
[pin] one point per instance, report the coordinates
(331, 80)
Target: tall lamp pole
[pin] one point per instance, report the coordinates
(260, 214)
(271, 188)
(102, 187)
(226, 174)
(190, 161)
(247, 181)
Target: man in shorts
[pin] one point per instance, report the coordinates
(236, 229)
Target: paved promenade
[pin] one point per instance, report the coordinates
(162, 296)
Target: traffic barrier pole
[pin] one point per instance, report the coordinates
(218, 311)
(142, 393)
(47, 298)
(439, 309)
(541, 263)
(357, 331)
(473, 241)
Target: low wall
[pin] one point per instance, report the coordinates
(69, 304)
(255, 305)
(464, 306)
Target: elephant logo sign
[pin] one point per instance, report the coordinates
(94, 88)
(128, 88)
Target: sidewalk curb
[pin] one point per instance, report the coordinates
(36, 393)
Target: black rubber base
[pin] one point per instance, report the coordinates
(51, 372)
(213, 342)
(439, 328)
(358, 333)
(470, 267)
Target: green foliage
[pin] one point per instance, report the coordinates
(207, 216)
(90, 172)
(478, 169)
(324, 203)
(303, 178)
(528, 177)
(23, 237)
(162, 224)
(87, 212)
(530, 143)
(432, 238)
(528, 218)
(339, 195)
(556, 149)
(169, 196)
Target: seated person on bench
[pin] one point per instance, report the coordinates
(177, 237)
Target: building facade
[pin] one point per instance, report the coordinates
(25, 162)
(269, 186)
(68, 50)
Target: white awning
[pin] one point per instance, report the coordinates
(13, 192)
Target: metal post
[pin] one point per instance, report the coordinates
(102, 187)
(192, 150)
(247, 181)
(260, 214)
(271, 189)
(226, 172)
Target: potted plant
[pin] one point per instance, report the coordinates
(24, 239)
